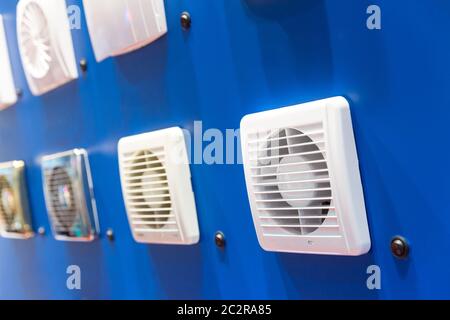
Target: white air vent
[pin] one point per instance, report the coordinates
(15, 221)
(156, 186)
(120, 26)
(8, 94)
(69, 196)
(303, 180)
(45, 44)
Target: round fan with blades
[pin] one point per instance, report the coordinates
(150, 188)
(35, 41)
(293, 180)
(62, 199)
(7, 205)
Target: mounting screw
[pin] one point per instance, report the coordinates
(41, 231)
(19, 93)
(186, 21)
(219, 239)
(399, 247)
(110, 234)
(83, 65)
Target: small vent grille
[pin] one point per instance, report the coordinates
(156, 187)
(69, 196)
(302, 177)
(147, 193)
(15, 221)
(35, 41)
(63, 211)
(291, 182)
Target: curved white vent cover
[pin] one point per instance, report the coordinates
(15, 220)
(69, 196)
(303, 181)
(45, 44)
(120, 26)
(156, 186)
(8, 95)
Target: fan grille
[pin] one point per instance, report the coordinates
(64, 212)
(147, 193)
(35, 41)
(291, 182)
(7, 205)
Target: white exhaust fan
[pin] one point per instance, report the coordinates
(15, 220)
(8, 95)
(303, 180)
(45, 44)
(120, 26)
(69, 196)
(156, 186)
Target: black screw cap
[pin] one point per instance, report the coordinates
(399, 247)
(185, 20)
(219, 239)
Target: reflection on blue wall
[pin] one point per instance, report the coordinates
(243, 56)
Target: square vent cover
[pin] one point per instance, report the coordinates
(121, 26)
(69, 196)
(156, 186)
(15, 219)
(303, 180)
(45, 44)
(8, 95)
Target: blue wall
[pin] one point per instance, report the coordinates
(243, 56)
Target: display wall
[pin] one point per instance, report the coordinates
(240, 57)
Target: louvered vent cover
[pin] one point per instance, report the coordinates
(303, 179)
(69, 196)
(15, 221)
(157, 188)
(137, 22)
(8, 94)
(45, 44)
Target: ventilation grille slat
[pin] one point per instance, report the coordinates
(279, 138)
(146, 191)
(139, 216)
(298, 226)
(308, 236)
(290, 180)
(291, 217)
(149, 230)
(294, 199)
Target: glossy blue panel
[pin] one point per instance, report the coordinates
(243, 56)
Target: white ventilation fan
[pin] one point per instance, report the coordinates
(303, 180)
(156, 186)
(120, 26)
(15, 220)
(45, 44)
(69, 196)
(8, 95)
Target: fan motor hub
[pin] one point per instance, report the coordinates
(64, 196)
(287, 179)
